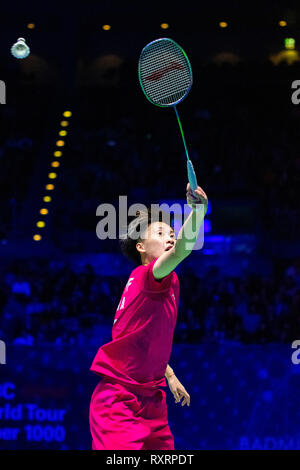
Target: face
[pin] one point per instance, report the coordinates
(160, 238)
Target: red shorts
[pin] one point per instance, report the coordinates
(122, 418)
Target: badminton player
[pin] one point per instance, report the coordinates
(128, 409)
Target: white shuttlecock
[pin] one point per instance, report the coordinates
(20, 50)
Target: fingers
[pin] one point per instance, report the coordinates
(186, 399)
(177, 396)
(196, 198)
(198, 191)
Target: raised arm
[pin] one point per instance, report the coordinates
(187, 235)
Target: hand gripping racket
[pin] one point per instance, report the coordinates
(166, 77)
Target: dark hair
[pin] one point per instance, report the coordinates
(137, 226)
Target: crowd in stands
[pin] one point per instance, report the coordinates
(241, 129)
(242, 135)
(22, 133)
(45, 301)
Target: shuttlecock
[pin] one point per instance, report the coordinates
(20, 50)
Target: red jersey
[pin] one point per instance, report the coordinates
(143, 330)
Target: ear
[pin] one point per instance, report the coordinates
(140, 247)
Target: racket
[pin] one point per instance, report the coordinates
(166, 77)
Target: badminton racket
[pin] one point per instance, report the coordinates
(165, 75)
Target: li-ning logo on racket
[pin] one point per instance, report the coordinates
(160, 73)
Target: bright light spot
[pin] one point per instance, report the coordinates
(62, 133)
(289, 43)
(282, 23)
(64, 123)
(58, 153)
(40, 224)
(60, 143)
(67, 114)
(223, 24)
(31, 26)
(164, 26)
(44, 211)
(50, 187)
(37, 237)
(55, 164)
(47, 199)
(52, 176)
(106, 27)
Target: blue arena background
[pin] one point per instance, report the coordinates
(76, 131)
(242, 397)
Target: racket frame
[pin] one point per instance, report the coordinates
(190, 169)
(190, 71)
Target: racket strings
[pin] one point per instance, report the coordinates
(171, 98)
(166, 94)
(165, 72)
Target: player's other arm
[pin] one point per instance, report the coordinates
(187, 235)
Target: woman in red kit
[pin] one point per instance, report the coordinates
(128, 409)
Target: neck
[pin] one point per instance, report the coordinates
(146, 261)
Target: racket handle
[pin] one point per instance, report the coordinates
(191, 175)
